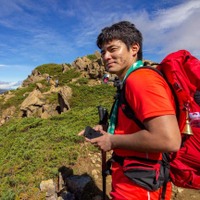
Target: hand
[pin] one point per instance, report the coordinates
(103, 142)
(96, 128)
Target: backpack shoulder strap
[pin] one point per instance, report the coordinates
(126, 108)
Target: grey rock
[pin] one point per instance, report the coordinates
(76, 184)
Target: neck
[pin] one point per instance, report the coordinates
(122, 74)
(127, 71)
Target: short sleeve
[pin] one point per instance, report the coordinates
(148, 94)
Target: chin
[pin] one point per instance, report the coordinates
(112, 72)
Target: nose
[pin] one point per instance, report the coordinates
(106, 56)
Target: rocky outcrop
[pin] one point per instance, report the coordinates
(34, 77)
(35, 105)
(64, 67)
(93, 69)
(150, 63)
(79, 64)
(64, 95)
(33, 99)
(97, 54)
(39, 86)
(32, 104)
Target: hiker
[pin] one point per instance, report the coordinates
(48, 79)
(153, 104)
(56, 83)
(105, 78)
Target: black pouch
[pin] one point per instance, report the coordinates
(149, 174)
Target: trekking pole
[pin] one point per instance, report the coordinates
(103, 117)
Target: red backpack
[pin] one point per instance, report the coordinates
(181, 70)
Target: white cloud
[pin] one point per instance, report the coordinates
(8, 85)
(173, 17)
(39, 36)
(171, 29)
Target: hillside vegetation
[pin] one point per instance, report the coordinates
(33, 149)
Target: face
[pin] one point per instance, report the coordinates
(117, 58)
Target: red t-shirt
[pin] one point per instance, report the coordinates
(149, 96)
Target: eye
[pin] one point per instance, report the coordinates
(113, 49)
(102, 53)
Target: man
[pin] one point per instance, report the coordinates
(56, 83)
(152, 102)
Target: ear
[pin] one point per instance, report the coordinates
(134, 49)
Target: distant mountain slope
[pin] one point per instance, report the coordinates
(2, 91)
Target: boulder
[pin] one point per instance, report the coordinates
(79, 64)
(64, 67)
(97, 54)
(64, 95)
(50, 109)
(45, 115)
(95, 70)
(35, 72)
(39, 86)
(50, 189)
(32, 103)
(8, 112)
(150, 62)
(76, 184)
(86, 60)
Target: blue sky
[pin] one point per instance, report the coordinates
(36, 32)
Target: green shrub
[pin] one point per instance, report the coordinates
(64, 78)
(33, 149)
(69, 65)
(50, 68)
(92, 57)
(82, 81)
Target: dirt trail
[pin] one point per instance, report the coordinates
(92, 166)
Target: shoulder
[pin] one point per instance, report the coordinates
(144, 77)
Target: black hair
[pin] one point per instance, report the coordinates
(124, 31)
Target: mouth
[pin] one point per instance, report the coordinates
(109, 64)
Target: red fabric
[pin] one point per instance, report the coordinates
(184, 72)
(125, 189)
(149, 96)
(106, 80)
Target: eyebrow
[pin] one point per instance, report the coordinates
(112, 45)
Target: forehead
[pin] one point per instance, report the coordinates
(111, 43)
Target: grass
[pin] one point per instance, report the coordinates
(50, 68)
(92, 57)
(33, 149)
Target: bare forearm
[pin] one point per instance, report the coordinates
(162, 135)
(142, 141)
